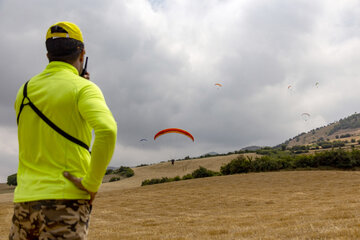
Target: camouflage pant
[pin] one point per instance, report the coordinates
(51, 219)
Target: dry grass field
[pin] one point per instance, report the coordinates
(273, 205)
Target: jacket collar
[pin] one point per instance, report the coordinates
(57, 65)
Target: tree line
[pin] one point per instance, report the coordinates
(326, 160)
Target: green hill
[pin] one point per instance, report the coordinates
(347, 129)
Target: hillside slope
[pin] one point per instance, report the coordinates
(344, 129)
(180, 168)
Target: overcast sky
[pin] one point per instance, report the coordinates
(157, 62)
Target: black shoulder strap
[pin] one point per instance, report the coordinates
(22, 102)
(47, 120)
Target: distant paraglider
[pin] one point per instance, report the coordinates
(317, 84)
(143, 141)
(218, 85)
(173, 130)
(305, 116)
(290, 89)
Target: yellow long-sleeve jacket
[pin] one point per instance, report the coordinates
(77, 106)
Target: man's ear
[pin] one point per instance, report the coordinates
(82, 54)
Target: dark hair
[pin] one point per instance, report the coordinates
(63, 49)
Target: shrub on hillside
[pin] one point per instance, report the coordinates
(202, 172)
(334, 144)
(142, 165)
(266, 151)
(238, 165)
(150, 181)
(286, 162)
(156, 181)
(337, 159)
(345, 135)
(124, 171)
(187, 176)
(345, 162)
(12, 180)
(339, 143)
(355, 157)
(114, 179)
(325, 145)
(165, 179)
(301, 151)
(305, 161)
(129, 172)
(299, 147)
(265, 163)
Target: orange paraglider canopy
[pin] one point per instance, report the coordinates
(174, 130)
(218, 84)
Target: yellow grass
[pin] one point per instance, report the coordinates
(276, 205)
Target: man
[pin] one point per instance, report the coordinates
(56, 111)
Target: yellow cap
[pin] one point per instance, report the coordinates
(71, 31)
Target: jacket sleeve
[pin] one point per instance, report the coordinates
(93, 109)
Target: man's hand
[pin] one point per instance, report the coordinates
(77, 182)
(86, 76)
